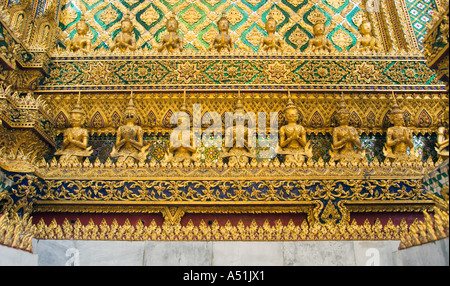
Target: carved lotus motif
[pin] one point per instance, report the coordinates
(187, 72)
(277, 72)
(98, 73)
(365, 72)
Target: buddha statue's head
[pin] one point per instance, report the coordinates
(172, 24)
(319, 29)
(397, 119)
(223, 24)
(271, 25)
(82, 26)
(126, 24)
(365, 28)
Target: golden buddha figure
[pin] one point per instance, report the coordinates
(181, 147)
(172, 41)
(367, 42)
(271, 42)
(346, 145)
(399, 138)
(223, 40)
(129, 146)
(293, 142)
(81, 41)
(75, 142)
(443, 137)
(125, 39)
(319, 43)
(237, 148)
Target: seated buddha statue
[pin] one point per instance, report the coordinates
(293, 144)
(346, 145)
(319, 43)
(367, 42)
(125, 39)
(81, 41)
(271, 42)
(442, 139)
(129, 146)
(172, 41)
(398, 138)
(223, 40)
(237, 148)
(181, 147)
(75, 143)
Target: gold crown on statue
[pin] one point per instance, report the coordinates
(126, 17)
(270, 16)
(317, 17)
(184, 105)
(238, 106)
(77, 108)
(223, 17)
(395, 107)
(130, 106)
(343, 106)
(290, 104)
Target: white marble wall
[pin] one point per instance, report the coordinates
(225, 253)
(430, 254)
(15, 257)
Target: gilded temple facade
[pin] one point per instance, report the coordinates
(356, 126)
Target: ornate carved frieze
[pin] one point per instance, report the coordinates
(246, 70)
(387, 186)
(410, 234)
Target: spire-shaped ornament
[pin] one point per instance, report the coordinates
(184, 105)
(77, 107)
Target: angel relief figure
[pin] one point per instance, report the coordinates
(319, 43)
(399, 138)
(125, 39)
(223, 40)
(172, 41)
(293, 143)
(75, 143)
(271, 42)
(346, 145)
(81, 40)
(129, 146)
(367, 42)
